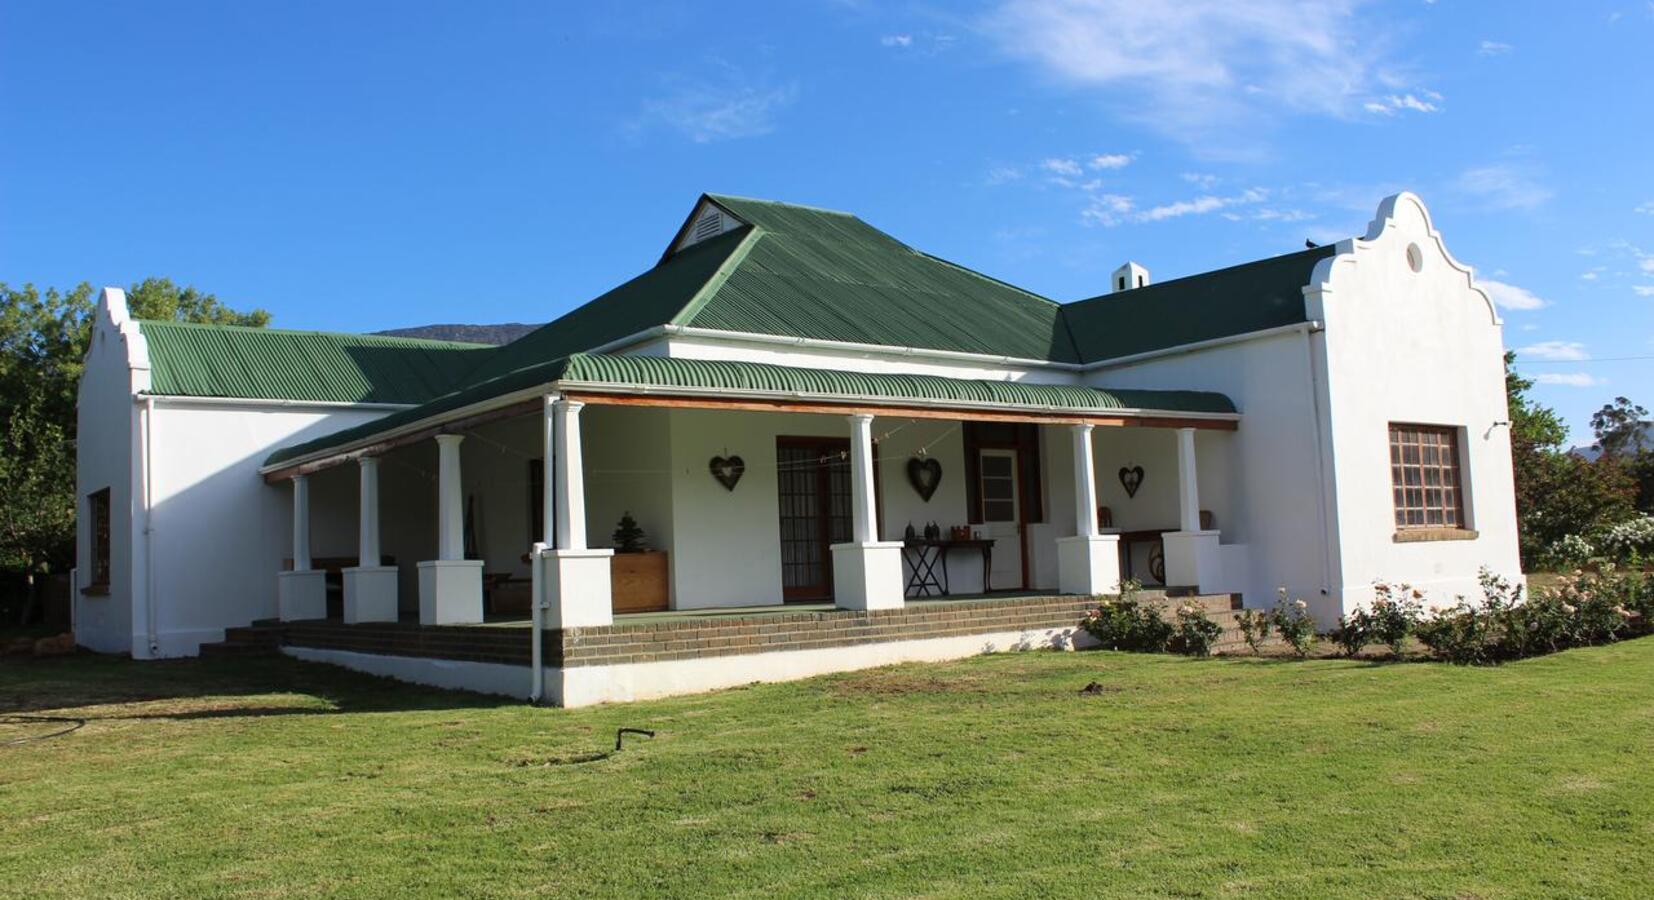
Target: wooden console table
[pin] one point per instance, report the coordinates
(923, 554)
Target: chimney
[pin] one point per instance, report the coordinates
(1131, 275)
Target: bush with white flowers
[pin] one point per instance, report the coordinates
(1633, 536)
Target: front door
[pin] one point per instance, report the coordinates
(813, 481)
(1002, 516)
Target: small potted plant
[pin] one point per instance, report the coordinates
(637, 575)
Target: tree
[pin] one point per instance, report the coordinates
(43, 340)
(1620, 428)
(1557, 493)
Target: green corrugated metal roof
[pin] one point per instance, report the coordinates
(276, 364)
(731, 376)
(1237, 300)
(659, 372)
(830, 276)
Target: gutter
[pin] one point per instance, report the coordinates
(260, 402)
(147, 424)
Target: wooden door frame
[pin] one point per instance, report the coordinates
(805, 440)
(824, 515)
(1022, 495)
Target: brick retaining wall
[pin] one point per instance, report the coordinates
(673, 639)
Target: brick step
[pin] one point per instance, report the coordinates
(1213, 604)
(256, 640)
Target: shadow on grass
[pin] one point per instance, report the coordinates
(213, 688)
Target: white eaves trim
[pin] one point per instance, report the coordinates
(267, 403)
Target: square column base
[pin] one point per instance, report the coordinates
(868, 576)
(1089, 564)
(450, 592)
(1189, 554)
(301, 595)
(577, 588)
(370, 594)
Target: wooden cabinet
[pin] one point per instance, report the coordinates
(638, 582)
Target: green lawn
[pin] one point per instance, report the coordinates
(991, 776)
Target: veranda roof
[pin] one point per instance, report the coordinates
(670, 376)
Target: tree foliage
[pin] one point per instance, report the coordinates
(43, 340)
(1557, 493)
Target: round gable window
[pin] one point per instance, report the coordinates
(1415, 258)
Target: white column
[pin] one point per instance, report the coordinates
(1085, 482)
(301, 523)
(302, 592)
(1088, 562)
(369, 588)
(450, 499)
(574, 578)
(570, 497)
(548, 471)
(368, 553)
(863, 505)
(1188, 490)
(867, 572)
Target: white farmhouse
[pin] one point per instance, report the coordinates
(840, 451)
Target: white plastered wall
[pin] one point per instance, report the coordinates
(117, 366)
(220, 533)
(1421, 347)
(1262, 481)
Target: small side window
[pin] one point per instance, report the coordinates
(97, 504)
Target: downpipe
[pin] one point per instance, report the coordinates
(537, 621)
(149, 526)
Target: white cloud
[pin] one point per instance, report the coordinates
(733, 107)
(1493, 48)
(1554, 350)
(1201, 205)
(1646, 208)
(1192, 68)
(1510, 296)
(1646, 263)
(897, 40)
(1396, 103)
(1504, 186)
(1643, 290)
(1568, 379)
(1106, 209)
(1004, 175)
(1067, 168)
(1109, 161)
(1201, 179)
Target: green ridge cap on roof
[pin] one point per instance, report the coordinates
(659, 372)
(194, 360)
(1241, 299)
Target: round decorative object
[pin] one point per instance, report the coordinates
(1415, 258)
(728, 470)
(1157, 562)
(1131, 478)
(924, 473)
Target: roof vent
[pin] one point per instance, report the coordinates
(1131, 275)
(708, 222)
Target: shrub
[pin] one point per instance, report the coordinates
(1254, 627)
(1633, 538)
(1582, 610)
(1395, 613)
(1353, 632)
(1125, 623)
(1292, 622)
(1195, 632)
(1570, 551)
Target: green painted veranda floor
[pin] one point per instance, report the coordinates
(987, 777)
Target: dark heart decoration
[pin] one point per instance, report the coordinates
(1131, 479)
(924, 473)
(728, 470)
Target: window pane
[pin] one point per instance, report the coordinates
(998, 510)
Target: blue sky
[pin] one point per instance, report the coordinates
(358, 166)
